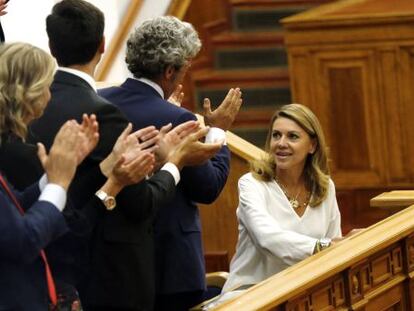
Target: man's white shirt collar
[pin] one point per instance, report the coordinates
(153, 85)
(80, 74)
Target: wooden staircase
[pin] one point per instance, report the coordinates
(243, 47)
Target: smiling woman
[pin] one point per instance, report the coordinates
(287, 206)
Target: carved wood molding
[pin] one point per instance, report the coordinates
(118, 39)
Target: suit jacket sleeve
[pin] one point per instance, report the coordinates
(22, 237)
(27, 197)
(142, 200)
(203, 183)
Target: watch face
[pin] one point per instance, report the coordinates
(110, 203)
(325, 242)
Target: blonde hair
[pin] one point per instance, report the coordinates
(25, 72)
(316, 167)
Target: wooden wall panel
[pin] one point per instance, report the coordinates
(406, 83)
(352, 62)
(347, 103)
(388, 81)
(300, 85)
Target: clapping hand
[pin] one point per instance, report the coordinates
(191, 151)
(89, 128)
(169, 139)
(131, 158)
(177, 96)
(128, 173)
(224, 115)
(71, 145)
(3, 6)
(129, 146)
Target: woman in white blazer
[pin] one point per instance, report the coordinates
(287, 206)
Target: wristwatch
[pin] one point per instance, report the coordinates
(108, 200)
(322, 244)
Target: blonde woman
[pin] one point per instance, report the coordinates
(287, 206)
(26, 73)
(29, 221)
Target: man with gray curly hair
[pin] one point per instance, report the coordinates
(159, 53)
(159, 43)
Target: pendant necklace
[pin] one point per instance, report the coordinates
(294, 202)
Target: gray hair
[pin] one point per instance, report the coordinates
(160, 42)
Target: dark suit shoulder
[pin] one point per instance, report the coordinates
(134, 96)
(71, 98)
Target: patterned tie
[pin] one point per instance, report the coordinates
(50, 283)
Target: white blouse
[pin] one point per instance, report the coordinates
(272, 236)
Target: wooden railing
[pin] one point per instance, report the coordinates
(393, 201)
(372, 270)
(118, 40)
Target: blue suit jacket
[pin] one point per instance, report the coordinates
(179, 262)
(22, 273)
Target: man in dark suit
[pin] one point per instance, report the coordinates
(120, 273)
(159, 53)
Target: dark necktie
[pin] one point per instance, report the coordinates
(50, 283)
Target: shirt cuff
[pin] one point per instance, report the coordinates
(54, 194)
(43, 182)
(215, 134)
(173, 170)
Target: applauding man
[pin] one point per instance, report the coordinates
(159, 53)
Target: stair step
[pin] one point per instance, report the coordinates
(257, 57)
(254, 97)
(248, 39)
(250, 20)
(264, 77)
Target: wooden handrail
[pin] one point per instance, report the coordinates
(313, 270)
(393, 200)
(240, 146)
(243, 148)
(118, 39)
(178, 8)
